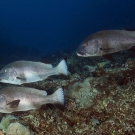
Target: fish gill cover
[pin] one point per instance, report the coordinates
(99, 94)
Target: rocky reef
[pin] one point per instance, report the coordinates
(97, 102)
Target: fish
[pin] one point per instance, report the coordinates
(20, 72)
(16, 99)
(106, 42)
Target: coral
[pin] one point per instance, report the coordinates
(10, 128)
(17, 129)
(6, 121)
(83, 92)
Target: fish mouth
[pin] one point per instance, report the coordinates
(82, 54)
(78, 54)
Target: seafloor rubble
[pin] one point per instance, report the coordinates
(97, 102)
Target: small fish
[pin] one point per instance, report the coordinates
(14, 99)
(106, 42)
(20, 72)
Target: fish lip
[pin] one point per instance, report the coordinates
(78, 54)
(84, 55)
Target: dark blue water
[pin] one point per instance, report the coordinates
(32, 28)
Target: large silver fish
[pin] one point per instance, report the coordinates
(106, 42)
(20, 72)
(14, 99)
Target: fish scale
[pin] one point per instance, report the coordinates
(106, 42)
(20, 72)
(14, 99)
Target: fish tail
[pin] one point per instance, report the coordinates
(58, 95)
(62, 68)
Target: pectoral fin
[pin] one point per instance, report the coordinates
(14, 103)
(21, 77)
(132, 49)
(106, 49)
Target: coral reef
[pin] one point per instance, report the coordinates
(97, 103)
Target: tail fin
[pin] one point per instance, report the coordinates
(58, 95)
(62, 68)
